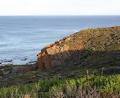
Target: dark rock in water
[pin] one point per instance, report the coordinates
(24, 59)
(91, 47)
(7, 60)
(31, 62)
(1, 61)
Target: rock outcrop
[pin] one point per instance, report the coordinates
(87, 47)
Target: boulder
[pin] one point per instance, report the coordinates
(89, 46)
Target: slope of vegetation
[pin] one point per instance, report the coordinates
(65, 82)
(93, 86)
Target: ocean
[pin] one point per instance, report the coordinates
(22, 37)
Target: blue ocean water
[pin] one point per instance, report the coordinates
(24, 36)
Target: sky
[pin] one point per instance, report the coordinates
(59, 7)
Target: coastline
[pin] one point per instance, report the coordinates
(90, 66)
(22, 61)
(22, 37)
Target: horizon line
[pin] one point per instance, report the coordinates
(65, 15)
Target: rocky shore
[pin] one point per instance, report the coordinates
(22, 61)
(85, 64)
(91, 49)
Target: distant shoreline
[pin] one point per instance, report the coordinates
(23, 37)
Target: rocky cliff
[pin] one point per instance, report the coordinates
(87, 47)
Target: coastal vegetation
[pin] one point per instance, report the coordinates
(90, 86)
(64, 82)
(83, 65)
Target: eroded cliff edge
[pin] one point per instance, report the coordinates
(87, 47)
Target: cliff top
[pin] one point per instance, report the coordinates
(96, 39)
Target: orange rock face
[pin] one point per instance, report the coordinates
(56, 54)
(72, 49)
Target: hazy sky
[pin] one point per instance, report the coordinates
(59, 7)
